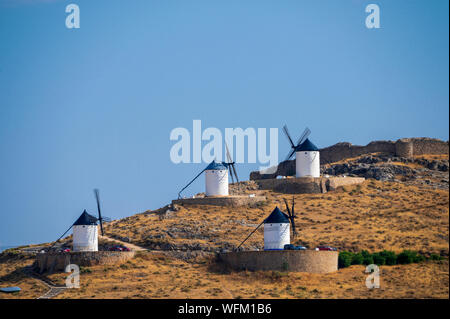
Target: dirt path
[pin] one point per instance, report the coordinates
(53, 289)
(128, 245)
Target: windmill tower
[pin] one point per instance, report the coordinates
(216, 177)
(85, 230)
(276, 230)
(307, 155)
(85, 233)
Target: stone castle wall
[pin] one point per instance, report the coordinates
(406, 147)
(307, 185)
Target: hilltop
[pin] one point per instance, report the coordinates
(396, 213)
(406, 212)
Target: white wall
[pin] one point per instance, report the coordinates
(307, 164)
(276, 236)
(216, 182)
(85, 238)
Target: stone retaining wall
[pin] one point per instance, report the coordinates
(232, 201)
(311, 261)
(55, 261)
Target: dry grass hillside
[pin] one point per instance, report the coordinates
(152, 275)
(374, 216)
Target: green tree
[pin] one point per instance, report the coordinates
(344, 259)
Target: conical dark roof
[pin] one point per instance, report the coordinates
(306, 146)
(216, 166)
(86, 219)
(277, 217)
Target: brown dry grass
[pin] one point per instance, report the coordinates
(373, 216)
(155, 276)
(11, 275)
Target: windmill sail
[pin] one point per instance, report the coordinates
(286, 132)
(300, 140)
(229, 161)
(291, 214)
(231, 164)
(304, 136)
(97, 197)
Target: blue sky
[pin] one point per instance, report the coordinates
(94, 107)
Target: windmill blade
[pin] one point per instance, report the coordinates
(231, 163)
(229, 158)
(231, 173)
(304, 136)
(294, 231)
(291, 216)
(291, 153)
(286, 132)
(97, 197)
(234, 171)
(293, 204)
(179, 193)
(287, 208)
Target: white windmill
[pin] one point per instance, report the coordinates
(85, 233)
(277, 228)
(216, 177)
(307, 155)
(85, 229)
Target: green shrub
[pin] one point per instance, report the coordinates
(406, 257)
(357, 259)
(367, 257)
(384, 257)
(345, 259)
(368, 260)
(379, 259)
(390, 257)
(419, 258)
(435, 257)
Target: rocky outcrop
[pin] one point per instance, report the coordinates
(390, 168)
